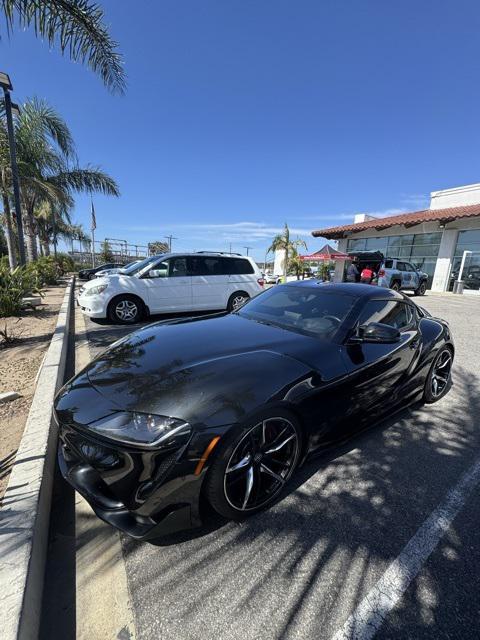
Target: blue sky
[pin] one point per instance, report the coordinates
(243, 114)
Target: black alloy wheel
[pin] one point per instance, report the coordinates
(438, 379)
(395, 286)
(251, 472)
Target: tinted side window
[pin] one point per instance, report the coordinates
(236, 266)
(205, 266)
(178, 267)
(401, 266)
(388, 264)
(396, 314)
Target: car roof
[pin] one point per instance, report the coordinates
(349, 288)
(202, 254)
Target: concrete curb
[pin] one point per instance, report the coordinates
(25, 516)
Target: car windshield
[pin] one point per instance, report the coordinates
(129, 265)
(308, 310)
(139, 266)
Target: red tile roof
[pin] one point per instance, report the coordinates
(407, 219)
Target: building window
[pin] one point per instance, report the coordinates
(467, 241)
(420, 249)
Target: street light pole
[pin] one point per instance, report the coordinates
(248, 249)
(7, 87)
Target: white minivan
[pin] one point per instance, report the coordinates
(170, 283)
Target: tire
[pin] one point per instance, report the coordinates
(236, 300)
(126, 309)
(442, 366)
(421, 289)
(395, 286)
(237, 490)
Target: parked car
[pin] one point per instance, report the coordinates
(172, 282)
(470, 277)
(270, 277)
(394, 273)
(218, 412)
(88, 274)
(109, 272)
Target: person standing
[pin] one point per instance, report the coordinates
(367, 275)
(352, 272)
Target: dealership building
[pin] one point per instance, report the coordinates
(433, 239)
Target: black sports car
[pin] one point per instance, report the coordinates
(193, 414)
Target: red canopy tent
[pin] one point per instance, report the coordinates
(325, 253)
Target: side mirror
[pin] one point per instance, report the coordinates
(377, 332)
(156, 273)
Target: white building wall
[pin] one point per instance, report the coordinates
(278, 263)
(340, 264)
(456, 197)
(444, 260)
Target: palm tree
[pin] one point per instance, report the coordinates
(283, 242)
(48, 169)
(77, 27)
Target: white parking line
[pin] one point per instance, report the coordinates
(368, 617)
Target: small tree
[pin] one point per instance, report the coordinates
(283, 242)
(106, 252)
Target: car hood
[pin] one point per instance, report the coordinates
(198, 368)
(94, 282)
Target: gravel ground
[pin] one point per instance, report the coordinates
(300, 569)
(19, 364)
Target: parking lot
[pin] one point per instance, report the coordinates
(300, 569)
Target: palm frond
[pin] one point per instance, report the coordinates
(90, 179)
(78, 27)
(38, 122)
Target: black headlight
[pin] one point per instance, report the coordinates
(141, 429)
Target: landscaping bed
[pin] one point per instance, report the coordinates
(19, 363)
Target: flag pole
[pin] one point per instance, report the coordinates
(93, 227)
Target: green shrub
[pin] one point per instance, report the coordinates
(44, 271)
(65, 262)
(14, 285)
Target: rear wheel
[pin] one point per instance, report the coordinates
(125, 309)
(421, 289)
(395, 286)
(438, 379)
(236, 300)
(252, 468)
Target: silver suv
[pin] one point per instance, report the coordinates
(393, 273)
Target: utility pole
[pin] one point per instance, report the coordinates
(230, 247)
(170, 238)
(248, 249)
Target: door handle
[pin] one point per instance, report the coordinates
(415, 343)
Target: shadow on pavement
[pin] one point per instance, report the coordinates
(298, 569)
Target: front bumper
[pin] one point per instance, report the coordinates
(89, 483)
(144, 494)
(93, 306)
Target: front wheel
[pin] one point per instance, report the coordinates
(252, 468)
(125, 310)
(421, 289)
(438, 379)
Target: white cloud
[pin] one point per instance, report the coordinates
(245, 231)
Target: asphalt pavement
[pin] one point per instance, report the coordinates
(305, 566)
